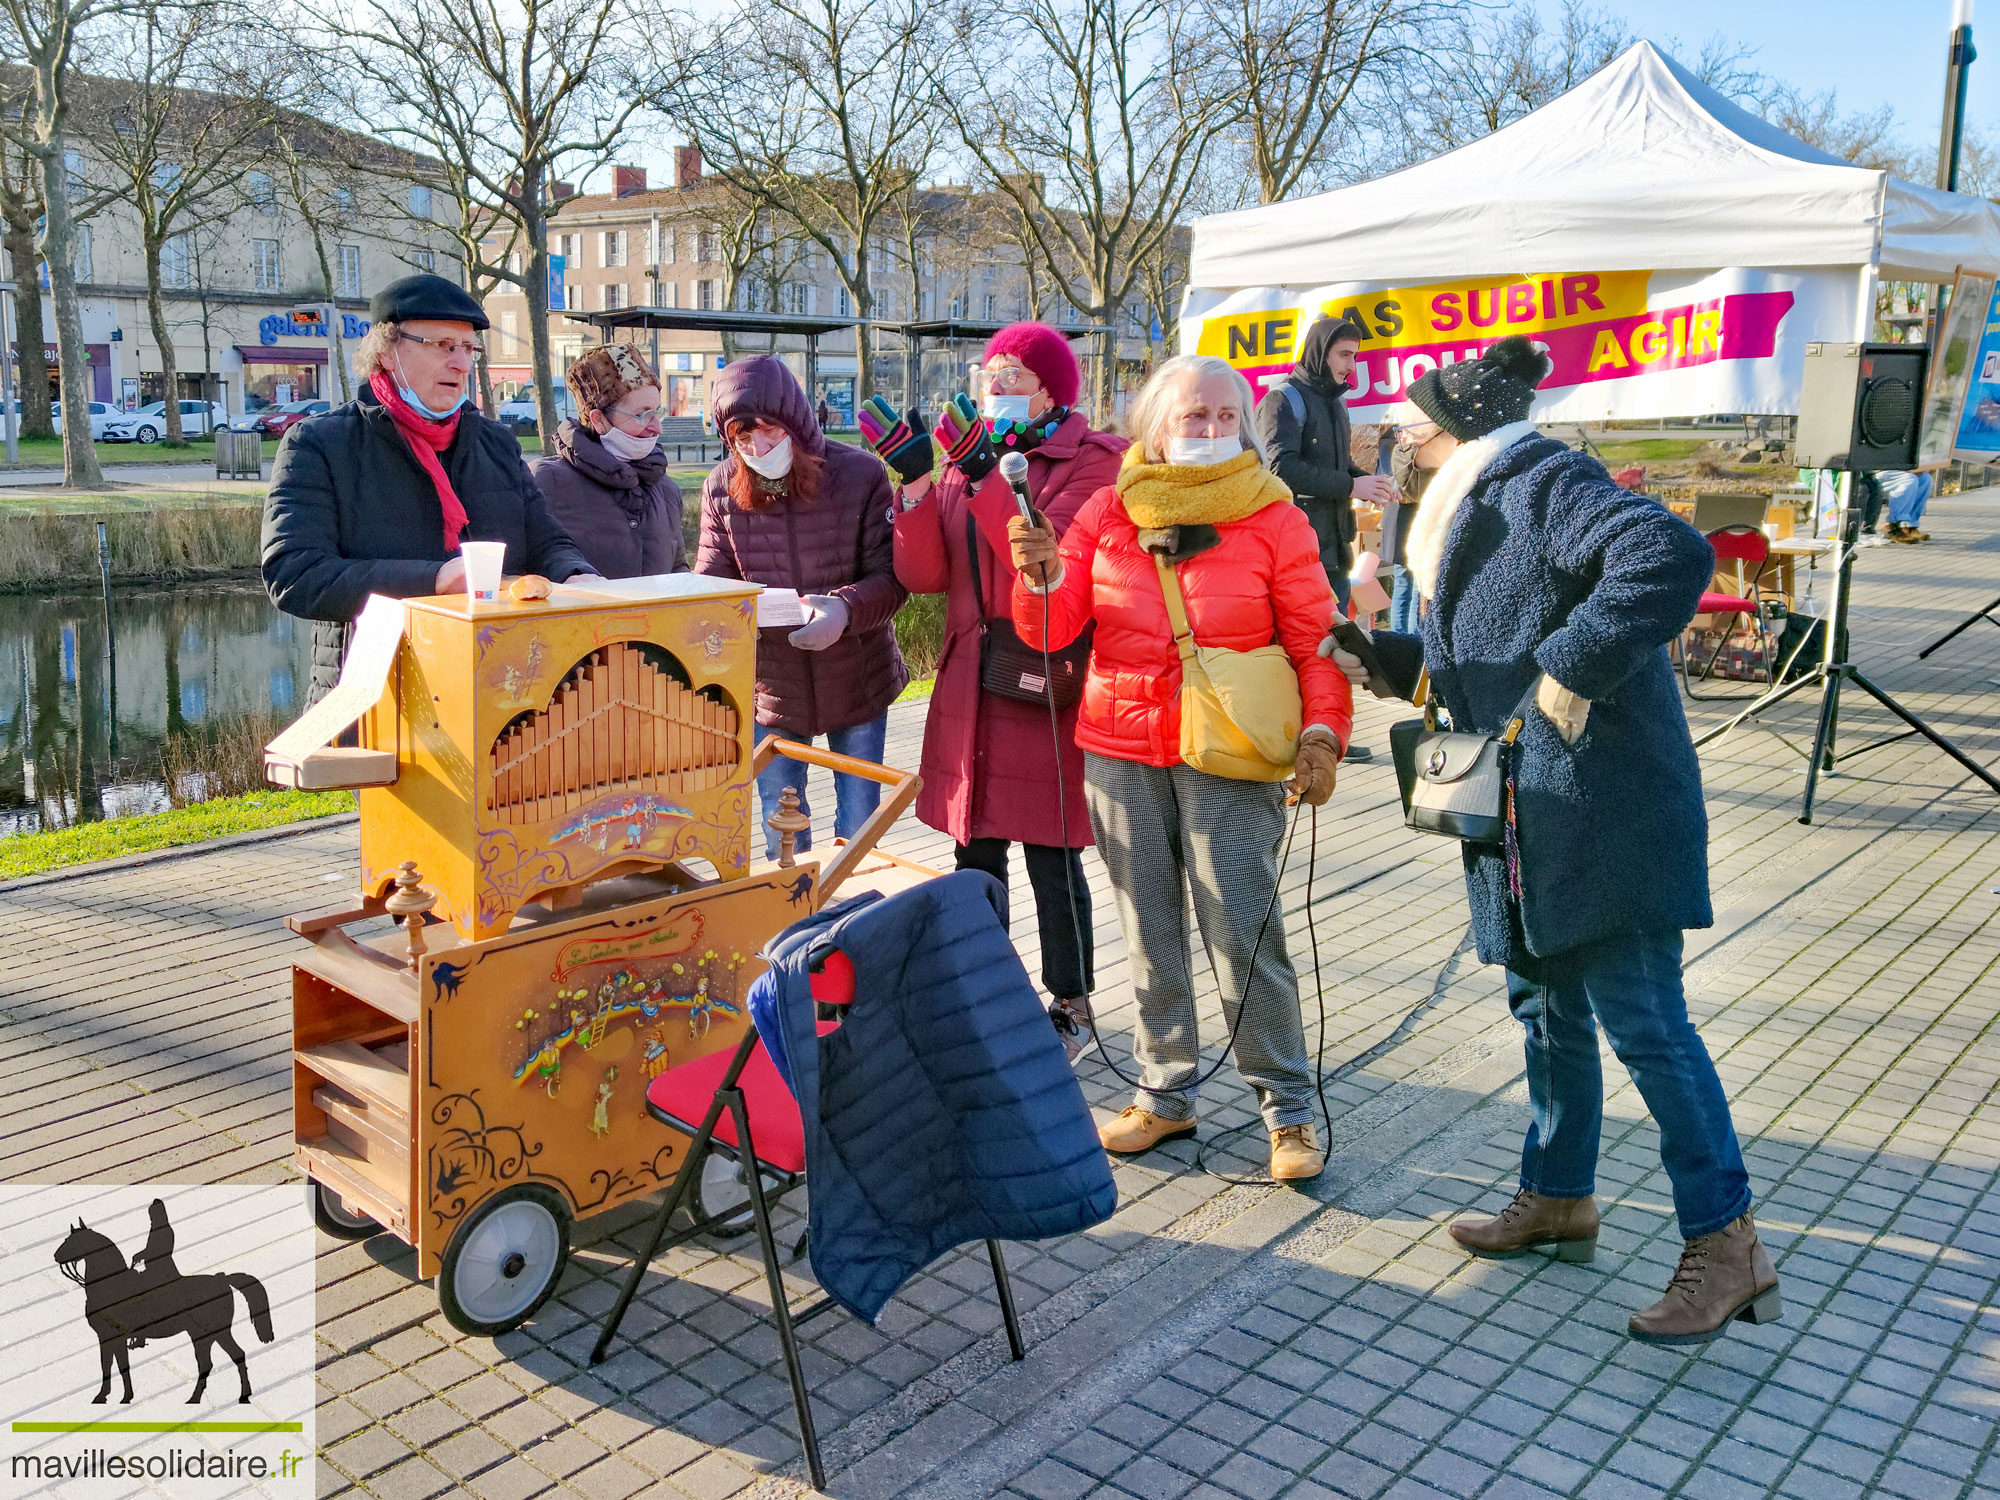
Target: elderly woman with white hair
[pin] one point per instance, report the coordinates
(1196, 525)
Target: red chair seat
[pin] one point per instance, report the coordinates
(681, 1096)
(1725, 604)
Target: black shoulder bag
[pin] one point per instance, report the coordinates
(1011, 668)
(1453, 783)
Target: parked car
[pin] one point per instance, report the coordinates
(101, 414)
(276, 421)
(520, 417)
(149, 423)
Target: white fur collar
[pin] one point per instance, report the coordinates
(1423, 549)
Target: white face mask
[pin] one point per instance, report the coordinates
(1201, 451)
(621, 444)
(1001, 408)
(773, 465)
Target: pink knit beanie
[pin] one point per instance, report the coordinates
(1044, 351)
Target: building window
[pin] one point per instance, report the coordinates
(347, 270)
(990, 308)
(957, 306)
(705, 248)
(166, 177)
(513, 263)
(73, 173)
(844, 303)
(611, 296)
(705, 296)
(611, 248)
(343, 202)
(264, 265)
(573, 297)
(570, 248)
(263, 193)
(420, 201)
(176, 265)
(424, 260)
(664, 254)
(79, 262)
(510, 331)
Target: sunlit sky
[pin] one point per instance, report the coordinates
(1868, 52)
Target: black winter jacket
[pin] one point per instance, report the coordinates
(625, 517)
(1313, 455)
(351, 513)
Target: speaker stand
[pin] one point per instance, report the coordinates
(1963, 625)
(1833, 670)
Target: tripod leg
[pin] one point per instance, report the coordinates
(1771, 699)
(1829, 706)
(1960, 628)
(1926, 731)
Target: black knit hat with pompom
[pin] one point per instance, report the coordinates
(1470, 399)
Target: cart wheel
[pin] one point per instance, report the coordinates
(722, 1189)
(336, 1219)
(504, 1261)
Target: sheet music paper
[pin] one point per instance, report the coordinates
(780, 607)
(370, 655)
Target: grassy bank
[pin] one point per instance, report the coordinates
(32, 853)
(42, 548)
(47, 453)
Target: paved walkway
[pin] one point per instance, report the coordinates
(1214, 1339)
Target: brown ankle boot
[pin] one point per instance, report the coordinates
(1569, 1224)
(1721, 1276)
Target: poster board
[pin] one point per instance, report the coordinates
(1976, 440)
(1952, 365)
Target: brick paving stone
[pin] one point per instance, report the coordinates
(1050, 1480)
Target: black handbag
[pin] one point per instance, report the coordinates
(1008, 666)
(1453, 783)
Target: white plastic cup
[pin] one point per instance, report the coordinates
(483, 562)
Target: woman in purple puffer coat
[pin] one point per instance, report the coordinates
(791, 510)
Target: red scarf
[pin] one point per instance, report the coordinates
(427, 439)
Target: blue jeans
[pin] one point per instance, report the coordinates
(854, 798)
(1907, 500)
(1630, 985)
(1403, 601)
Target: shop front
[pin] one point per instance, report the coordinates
(276, 373)
(100, 369)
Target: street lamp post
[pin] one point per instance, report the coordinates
(1952, 134)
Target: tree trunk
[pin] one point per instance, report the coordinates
(80, 467)
(333, 313)
(32, 386)
(864, 308)
(156, 313)
(486, 403)
(535, 228)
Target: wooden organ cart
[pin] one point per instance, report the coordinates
(557, 805)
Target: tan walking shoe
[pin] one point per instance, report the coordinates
(1138, 1129)
(1721, 1276)
(1569, 1224)
(1295, 1153)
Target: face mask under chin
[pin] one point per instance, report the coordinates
(622, 445)
(417, 403)
(1202, 451)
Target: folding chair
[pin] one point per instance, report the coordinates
(746, 1111)
(1742, 545)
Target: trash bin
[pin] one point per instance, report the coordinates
(238, 455)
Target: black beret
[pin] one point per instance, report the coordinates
(426, 296)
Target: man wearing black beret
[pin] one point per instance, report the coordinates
(374, 497)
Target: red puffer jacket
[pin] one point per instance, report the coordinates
(1261, 583)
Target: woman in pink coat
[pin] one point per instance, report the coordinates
(991, 767)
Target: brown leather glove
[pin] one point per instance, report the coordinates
(1313, 775)
(1034, 549)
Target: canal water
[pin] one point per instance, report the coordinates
(86, 712)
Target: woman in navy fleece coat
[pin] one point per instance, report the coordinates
(1540, 575)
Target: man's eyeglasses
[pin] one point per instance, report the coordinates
(471, 348)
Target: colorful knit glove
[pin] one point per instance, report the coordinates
(962, 434)
(900, 442)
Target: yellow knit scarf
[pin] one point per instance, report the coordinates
(1162, 495)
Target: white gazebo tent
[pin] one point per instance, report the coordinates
(1640, 168)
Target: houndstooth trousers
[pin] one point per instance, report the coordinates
(1162, 830)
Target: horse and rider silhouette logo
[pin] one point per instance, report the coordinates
(127, 1305)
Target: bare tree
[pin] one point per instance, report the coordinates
(511, 99)
(44, 35)
(1108, 99)
(824, 123)
(1299, 64)
(20, 207)
(185, 108)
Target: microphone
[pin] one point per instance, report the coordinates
(1014, 469)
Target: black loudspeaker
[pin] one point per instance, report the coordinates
(1860, 405)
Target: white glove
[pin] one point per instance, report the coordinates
(827, 624)
(1563, 709)
(1350, 665)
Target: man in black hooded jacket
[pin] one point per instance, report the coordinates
(1303, 422)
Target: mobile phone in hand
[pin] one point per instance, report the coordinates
(1352, 639)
